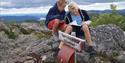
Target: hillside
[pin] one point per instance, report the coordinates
(20, 42)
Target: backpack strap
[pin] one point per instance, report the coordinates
(66, 17)
(82, 16)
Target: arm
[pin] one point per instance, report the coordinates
(87, 22)
(86, 18)
(51, 14)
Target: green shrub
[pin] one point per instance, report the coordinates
(39, 35)
(10, 34)
(41, 23)
(24, 31)
(109, 18)
(45, 34)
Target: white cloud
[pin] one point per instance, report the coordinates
(25, 3)
(37, 3)
(95, 6)
(6, 4)
(103, 6)
(24, 10)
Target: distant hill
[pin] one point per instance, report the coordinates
(121, 12)
(19, 18)
(37, 17)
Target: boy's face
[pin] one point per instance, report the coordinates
(62, 1)
(62, 4)
(73, 9)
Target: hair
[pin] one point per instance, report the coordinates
(72, 3)
(61, 1)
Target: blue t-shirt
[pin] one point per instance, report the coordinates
(78, 19)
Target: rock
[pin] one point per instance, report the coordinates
(30, 61)
(109, 39)
(82, 57)
(33, 26)
(2, 26)
(110, 42)
(121, 58)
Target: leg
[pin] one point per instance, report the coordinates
(62, 26)
(68, 30)
(87, 33)
(55, 26)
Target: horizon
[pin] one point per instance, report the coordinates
(44, 9)
(39, 11)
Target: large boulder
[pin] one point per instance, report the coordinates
(33, 26)
(2, 26)
(110, 45)
(108, 37)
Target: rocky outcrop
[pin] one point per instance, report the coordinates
(108, 37)
(2, 26)
(33, 26)
(17, 50)
(110, 45)
(109, 40)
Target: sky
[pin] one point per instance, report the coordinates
(38, 3)
(10, 7)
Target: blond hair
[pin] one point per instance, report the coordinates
(72, 4)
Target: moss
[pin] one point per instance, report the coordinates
(41, 23)
(10, 34)
(24, 31)
(45, 34)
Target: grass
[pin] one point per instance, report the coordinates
(108, 18)
(45, 34)
(10, 34)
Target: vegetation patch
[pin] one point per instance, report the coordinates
(42, 34)
(109, 18)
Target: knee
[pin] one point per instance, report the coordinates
(69, 27)
(85, 28)
(57, 21)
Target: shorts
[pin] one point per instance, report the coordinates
(79, 31)
(61, 25)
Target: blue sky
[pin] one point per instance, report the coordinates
(10, 7)
(38, 3)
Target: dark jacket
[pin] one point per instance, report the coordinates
(77, 29)
(54, 13)
(82, 13)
